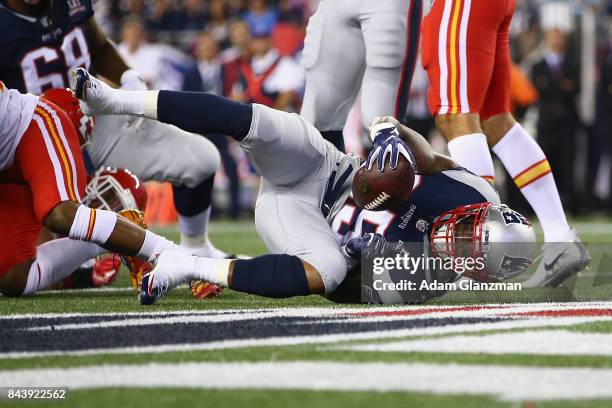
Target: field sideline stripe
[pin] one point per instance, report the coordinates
(531, 342)
(313, 310)
(105, 289)
(317, 339)
(335, 316)
(506, 382)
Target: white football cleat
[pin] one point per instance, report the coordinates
(98, 96)
(160, 280)
(560, 261)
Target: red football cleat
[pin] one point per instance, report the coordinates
(138, 268)
(204, 290)
(105, 270)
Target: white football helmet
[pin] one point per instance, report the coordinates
(502, 237)
(115, 190)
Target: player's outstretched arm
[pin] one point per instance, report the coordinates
(427, 160)
(196, 112)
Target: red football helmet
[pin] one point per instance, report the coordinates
(115, 190)
(65, 99)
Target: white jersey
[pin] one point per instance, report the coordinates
(16, 111)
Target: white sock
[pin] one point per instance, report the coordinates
(211, 270)
(527, 164)
(92, 225)
(190, 267)
(56, 260)
(194, 235)
(194, 229)
(154, 245)
(139, 103)
(472, 152)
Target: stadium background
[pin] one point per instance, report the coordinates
(168, 40)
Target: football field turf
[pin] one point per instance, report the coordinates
(544, 348)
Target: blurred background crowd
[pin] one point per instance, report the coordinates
(249, 50)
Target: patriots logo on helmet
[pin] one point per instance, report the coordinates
(511, 266)
(512, 217)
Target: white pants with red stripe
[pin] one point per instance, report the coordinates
(352, 46)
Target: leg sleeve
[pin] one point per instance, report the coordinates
(334, 59)
(289, 225)
(286, 149)
(156, 151)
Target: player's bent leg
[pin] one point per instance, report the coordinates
(459, 55)
(305, 259)
(273, 275)
(13, 281)
(277, 276)
(334, 60)
(193, 112)
(467, 143)
(286, 149)
(55, 260)
(274, 140)
(192, 177)
(527, 165)
(283, 147)
(455, 125)
(107, 229)
(391, 32)
(564, 254)
(292, 223)
(193, 206)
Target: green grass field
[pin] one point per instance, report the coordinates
(242, 350)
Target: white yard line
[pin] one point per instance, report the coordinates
(319, 338)
(333, 316)
(103, 289)
(542, 342)
(506, 382)
(486, 309)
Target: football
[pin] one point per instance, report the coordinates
(380, 190)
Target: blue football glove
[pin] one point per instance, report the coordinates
(388, 143)
(371, 246)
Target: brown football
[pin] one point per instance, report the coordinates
(380, 190)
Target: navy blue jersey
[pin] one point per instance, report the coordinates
(37, 54)
(431, 196)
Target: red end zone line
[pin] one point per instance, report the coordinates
(412, 312)
(564, 313)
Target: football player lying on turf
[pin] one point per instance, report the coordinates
(303, 213)
(42, 177)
